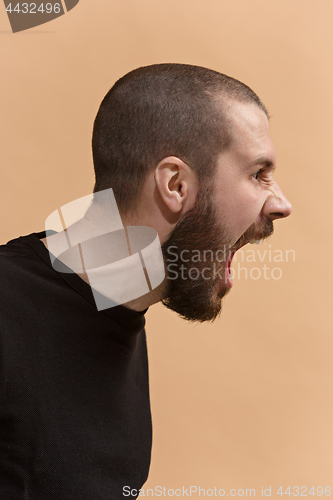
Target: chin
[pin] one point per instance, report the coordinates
(195, 305)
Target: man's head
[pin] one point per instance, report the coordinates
(158, 111)
(188, 152)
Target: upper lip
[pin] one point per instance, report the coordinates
(235, 249)
(241, 244)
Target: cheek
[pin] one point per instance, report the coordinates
(243, 210)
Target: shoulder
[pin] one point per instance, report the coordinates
(13, 253)
(18, 260)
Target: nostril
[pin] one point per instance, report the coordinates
(278, 214)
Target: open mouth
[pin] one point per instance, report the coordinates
(228, 275)
(255, 234)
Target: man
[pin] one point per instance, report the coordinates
(187, 152)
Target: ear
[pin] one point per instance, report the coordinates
(176, 182)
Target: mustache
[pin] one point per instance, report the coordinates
(257, 231)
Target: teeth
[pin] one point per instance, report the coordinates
(256, 242)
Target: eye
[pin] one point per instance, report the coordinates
(257, 174)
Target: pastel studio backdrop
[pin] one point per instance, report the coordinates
(244, 402)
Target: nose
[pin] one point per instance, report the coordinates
(277, 206)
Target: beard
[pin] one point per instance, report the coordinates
(192, 278)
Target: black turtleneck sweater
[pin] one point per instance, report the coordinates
(74, 401)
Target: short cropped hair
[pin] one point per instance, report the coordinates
(158, 111)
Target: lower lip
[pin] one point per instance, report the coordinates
(227, 273)
(229, 281)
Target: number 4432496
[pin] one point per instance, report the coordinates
(302, 491)
(31, 8)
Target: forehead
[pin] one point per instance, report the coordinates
(249, 129)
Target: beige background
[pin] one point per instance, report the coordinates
(247, 401)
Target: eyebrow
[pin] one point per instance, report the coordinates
(263, 160)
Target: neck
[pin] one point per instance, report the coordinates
(110, 258)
